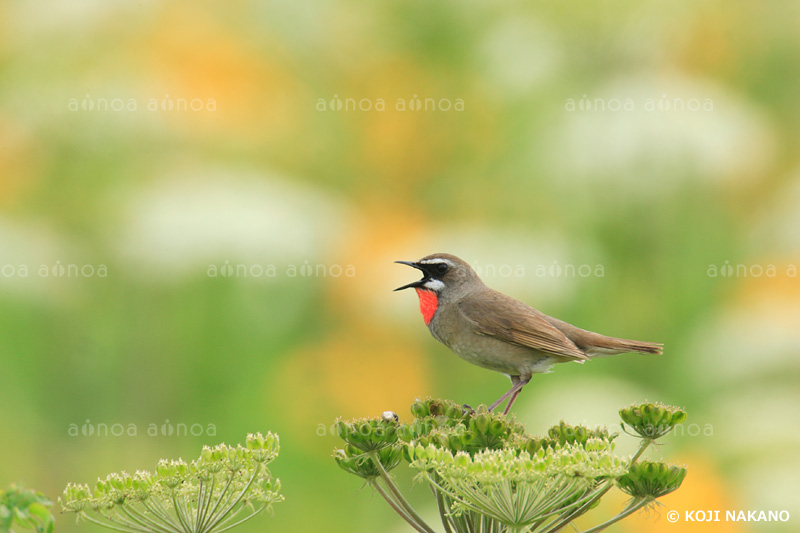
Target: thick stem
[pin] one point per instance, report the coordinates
(398, 496)
(632, 508)
(440, 505)
(396, 506)
(582, 509)
(642, 448)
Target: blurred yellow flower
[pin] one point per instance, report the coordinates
(17, 160)
(358, 372)
(245, 88)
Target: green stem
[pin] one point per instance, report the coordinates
(572, 515)
(442, 514)
(398, 495)
(642, 448)
(397, 508)
(225, 526)
(145, 520)
(230, 507)
(154, 506)
(586, 506)
(201, 502)
(111, 525)
(206, 494)
(632, 508)
(117, 517)
(202, 526)
(179, 513)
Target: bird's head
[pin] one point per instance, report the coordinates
(444, 274)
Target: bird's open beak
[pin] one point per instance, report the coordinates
(419, 283)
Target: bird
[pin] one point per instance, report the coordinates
(497, 332)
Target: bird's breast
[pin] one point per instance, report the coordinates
(428, 304)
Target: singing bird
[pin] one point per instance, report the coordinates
(494, 331)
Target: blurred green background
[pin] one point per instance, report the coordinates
(200, 204)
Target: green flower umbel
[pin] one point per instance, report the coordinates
(516, 488)
(487, 475)
(651, 480)
(222, 488)
(651, 421)
(370, 445)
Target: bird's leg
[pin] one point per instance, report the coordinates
(511, 402)
(514, 396)
(516, 385)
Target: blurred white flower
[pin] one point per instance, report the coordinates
(747, 344)
(519, 54)
(33, 18)
(778, 231)
(761, 436)
(30, 251)
(745, 361)
(182, 224)
(653, 133)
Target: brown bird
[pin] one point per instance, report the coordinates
(494, 331)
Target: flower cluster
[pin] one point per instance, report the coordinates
(487, 473)
(458, 428)
(652, 480)
(564, 433)
(370, 446)
(206, 495)
(651, 421)
(515, 488)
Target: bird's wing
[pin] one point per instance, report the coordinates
(500, 316)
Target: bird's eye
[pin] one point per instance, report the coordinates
(441, 268)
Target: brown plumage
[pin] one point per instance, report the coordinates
(495, 331)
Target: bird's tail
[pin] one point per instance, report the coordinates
(602, 346)
(597, 345)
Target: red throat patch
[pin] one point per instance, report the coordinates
(428, 303)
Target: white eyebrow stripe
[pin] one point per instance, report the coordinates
(436, 261)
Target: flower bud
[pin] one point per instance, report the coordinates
(206, 454)
(451, 411)
(341, 429)
(496, 427)
(419, 409)
(480, 422)
(678, 417)
(656, 414)
(435, 408)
